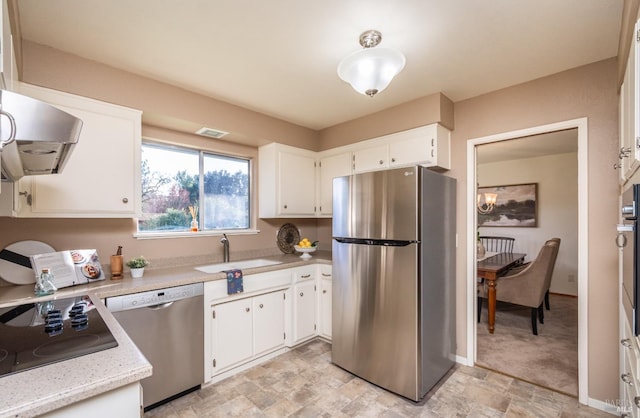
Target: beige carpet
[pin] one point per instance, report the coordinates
(549, 359)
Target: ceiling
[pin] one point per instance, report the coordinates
(280, 57)
(557, 142)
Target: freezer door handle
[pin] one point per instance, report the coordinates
(382, 242)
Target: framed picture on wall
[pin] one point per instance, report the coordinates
(513, 205)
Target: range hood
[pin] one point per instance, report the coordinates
(35, 137)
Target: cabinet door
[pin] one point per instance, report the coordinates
(304, 320)
(102, 176)
(325, 308)
(330, 168)
(232, 333)
(412, 151)
(297, 185)
(371, 158)
(268, 322)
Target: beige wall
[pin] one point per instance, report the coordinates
(423, 111)
(588, 91)
(591, 92)
(162, 104)
(557, 180)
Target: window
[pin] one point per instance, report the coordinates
(181, 184)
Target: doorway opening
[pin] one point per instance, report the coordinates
(554, 158)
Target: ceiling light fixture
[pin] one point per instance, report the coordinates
(370, 70)
(490, 200)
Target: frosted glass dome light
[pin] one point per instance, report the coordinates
(370, 70)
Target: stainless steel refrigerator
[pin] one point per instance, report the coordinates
(394, 278)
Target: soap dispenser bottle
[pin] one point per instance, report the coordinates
(44, 283)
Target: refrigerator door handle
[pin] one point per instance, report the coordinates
(382, 242)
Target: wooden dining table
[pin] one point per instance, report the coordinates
(490, 269)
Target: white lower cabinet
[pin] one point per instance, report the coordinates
(246, 328)
(125, 401)
(629, 353)
(304, 311)
(268, 322)
(324, 302)
(279, 309)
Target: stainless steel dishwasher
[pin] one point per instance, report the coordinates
(167, 325)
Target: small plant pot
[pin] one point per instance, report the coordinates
(137, 273)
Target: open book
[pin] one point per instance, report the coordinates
(69, 267)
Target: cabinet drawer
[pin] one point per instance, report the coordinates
(303, 273)
(254, 283)
(325, 272)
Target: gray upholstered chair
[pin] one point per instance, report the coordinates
(497, 244)
(528, 286)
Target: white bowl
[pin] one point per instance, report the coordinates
(305, 251)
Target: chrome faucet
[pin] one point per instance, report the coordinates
(225, 242)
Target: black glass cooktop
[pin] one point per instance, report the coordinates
(36, 334)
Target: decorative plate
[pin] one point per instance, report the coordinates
(288, 238)
(15, 265)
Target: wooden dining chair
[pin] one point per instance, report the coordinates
(528, 286)
(497, 244)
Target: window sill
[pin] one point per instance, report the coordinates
(189, 234)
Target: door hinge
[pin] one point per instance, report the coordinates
(314, 288)
(214, 362)
(284, 335)
(314, 327)
(284, 295)
(213, 313)
(638, 36)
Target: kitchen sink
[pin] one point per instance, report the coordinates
(242, 264)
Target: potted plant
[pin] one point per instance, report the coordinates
(137, 266)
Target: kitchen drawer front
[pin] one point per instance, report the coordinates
(255, 283)
(300, 274)
(325, 271)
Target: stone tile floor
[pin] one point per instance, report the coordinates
(304, 383)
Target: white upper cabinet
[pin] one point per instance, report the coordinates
(371, 158)
(286, 182)
(629, 125)
(330, 167)
(102, 176)
(298, 183)
(427, 145)
(7, 56)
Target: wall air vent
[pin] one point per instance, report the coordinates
(211, 133)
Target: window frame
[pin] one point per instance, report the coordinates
(202, 152)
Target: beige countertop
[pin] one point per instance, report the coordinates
(36, 391)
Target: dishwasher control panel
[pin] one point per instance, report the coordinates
(153, 298)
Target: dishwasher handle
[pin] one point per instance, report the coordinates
(160, 306)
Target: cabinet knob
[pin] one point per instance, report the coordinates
(125, 200)
(305, 276)
(626, 343)
(380, 162)
(285, 206)
(433, 154)
(261, 306)
(324, 291)
(626, 378)
(247, 309)
(301, 294)
(393, 160)
(326, 275)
